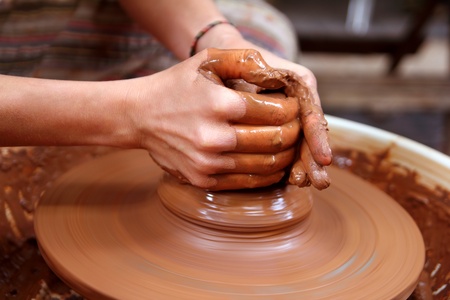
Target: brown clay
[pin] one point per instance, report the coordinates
(428, 205)
(27, 172)
(112, 230)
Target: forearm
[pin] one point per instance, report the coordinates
(52, 112)
(173, 22)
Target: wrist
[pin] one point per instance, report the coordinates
(226, 36)
(119, 115)
(223, 36)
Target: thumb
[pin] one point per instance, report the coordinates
(246, 64)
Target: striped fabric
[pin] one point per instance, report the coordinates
(96, 40)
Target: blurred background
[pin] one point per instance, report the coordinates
(385, 63)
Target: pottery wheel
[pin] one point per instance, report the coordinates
(117, 228)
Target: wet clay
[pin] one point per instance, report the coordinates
(25, 275)
(429, 207)
(25, 174)
(109, 229)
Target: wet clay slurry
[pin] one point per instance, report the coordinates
(104, 229)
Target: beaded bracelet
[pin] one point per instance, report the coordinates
(202, 33)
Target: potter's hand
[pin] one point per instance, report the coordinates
(266, 137)
(315, 151)
(314, 148)
(209, 135)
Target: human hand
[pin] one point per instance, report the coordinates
(314, 149)
(209, 135)
(315, 152)
(266, 141)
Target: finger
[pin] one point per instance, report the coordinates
(246, 64)
(265, 109)
(298, 175)
(315, 128)
(306, 170)
(251, 67)
(260, 163)
(312, 117)
(266, 139)
(245, 181)
(242, 86)
(232, 63)
(314, 124)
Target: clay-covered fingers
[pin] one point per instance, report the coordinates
(315, 129)
(242, 86)
(249, 171)
(272, 124)
(222, 65)
(266, 139)
(245, 181)
(261, 164)
(249, 66)
(306, 171)
(267, 109)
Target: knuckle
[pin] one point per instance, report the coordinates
(202, 165)
(208, 139)
(229, 105)
(252, 54)
(203, 141)
(309, 78)
(220, 105)
(215, 138)
(203, 181)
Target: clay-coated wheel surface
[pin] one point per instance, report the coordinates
(104, 230)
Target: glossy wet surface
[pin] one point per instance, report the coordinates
(104, 230)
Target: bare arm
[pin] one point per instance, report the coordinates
(189, 124)
(153, 112)
(175, 23)
(53, 112)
